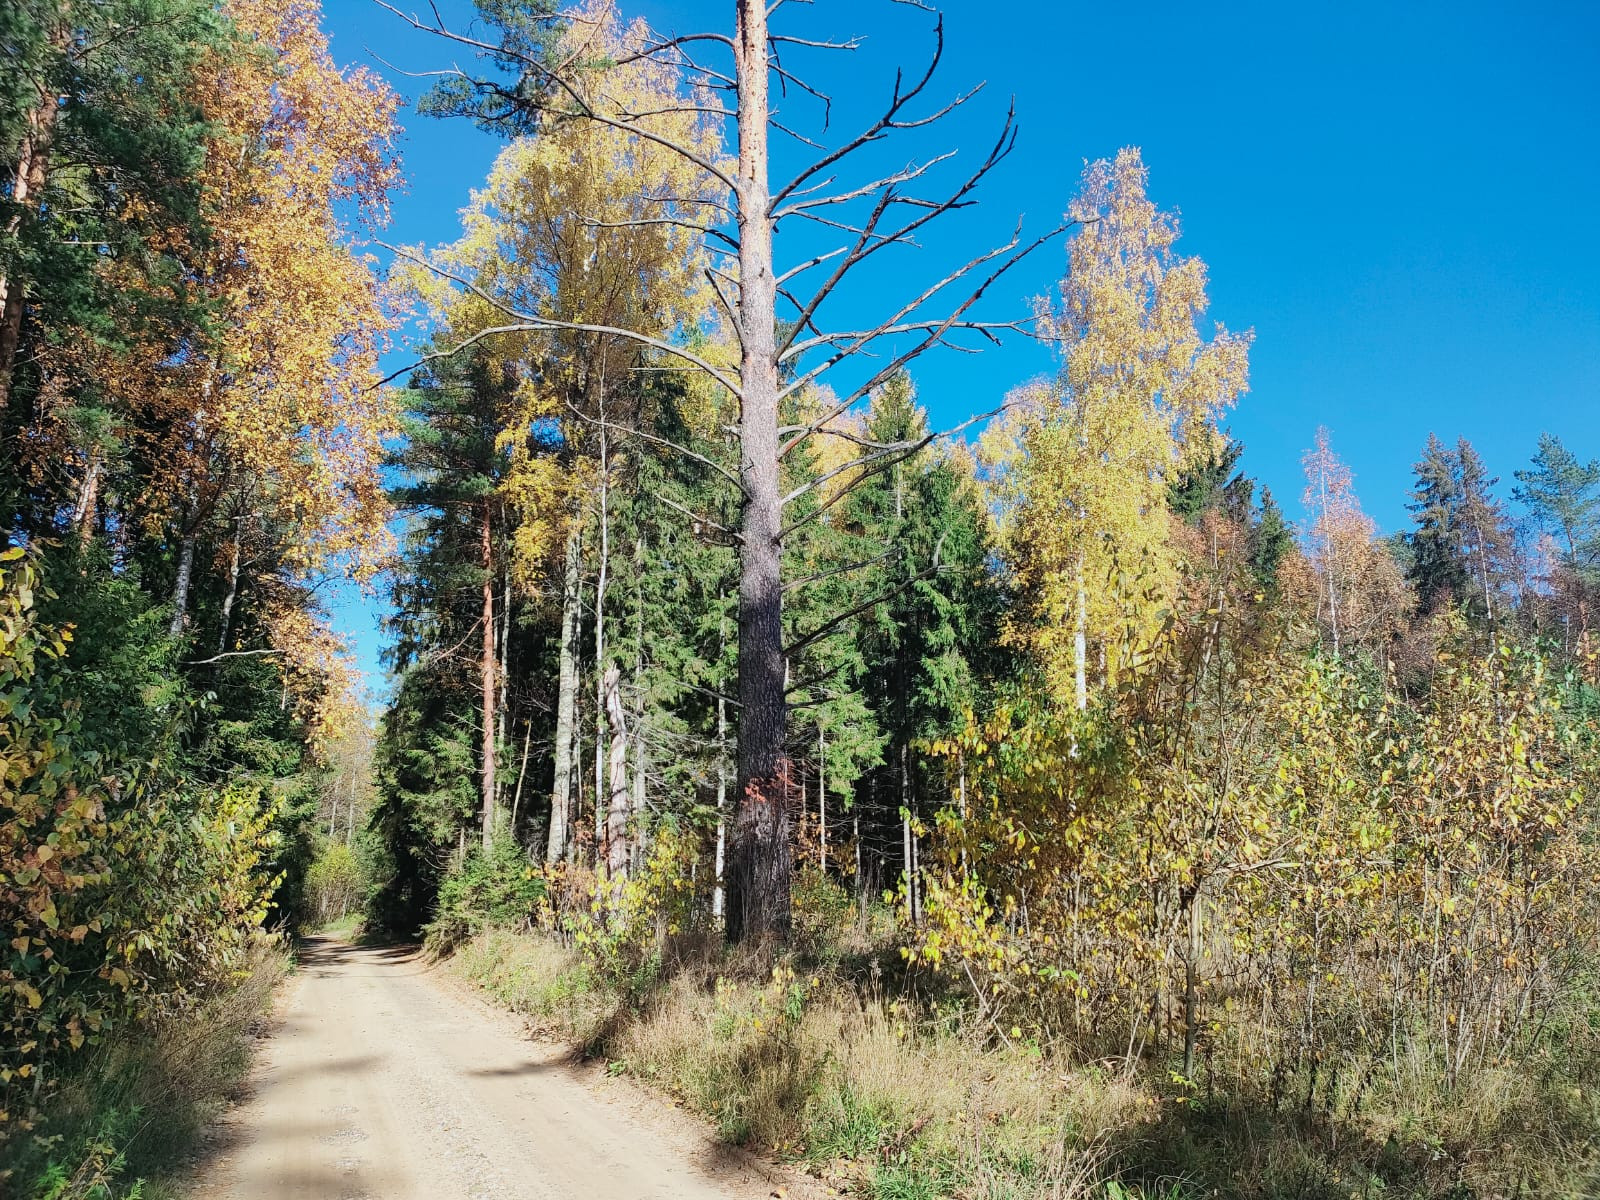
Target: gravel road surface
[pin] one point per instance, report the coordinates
(384, 1080)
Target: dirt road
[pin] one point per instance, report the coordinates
(384, 1081)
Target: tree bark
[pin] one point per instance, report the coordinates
(85, 510)
(1329, 566)
(822, 799)
(1080, 639)
(180, 586)
(602, 577)
(760, 866)
(488, 672)
(502, 706)
(718, 890)
(1191, 989)
(640, 840)
(561, 795)
(616, 827)
(232, 593)
(522, 774)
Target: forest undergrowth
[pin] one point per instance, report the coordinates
(881, 1080)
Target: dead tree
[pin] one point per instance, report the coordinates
(776, 315)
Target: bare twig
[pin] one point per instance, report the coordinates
(216, 658)
(635, 431)
(532, 322)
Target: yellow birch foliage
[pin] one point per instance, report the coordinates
(584, 224)
(1083, 844)
(1291, 836)
(1080, 465)
(319, 675)
(280, 389)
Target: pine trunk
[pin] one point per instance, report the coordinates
(760, 866)
(26, 185)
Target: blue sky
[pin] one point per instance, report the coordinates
(1399, 199)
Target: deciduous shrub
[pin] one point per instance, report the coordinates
(629, 920)
(335, 886)
(125, 895)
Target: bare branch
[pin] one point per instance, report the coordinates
(805, 685)
(905, 175)
(634, 431)
(796, 135)
(865, 245)
(896, 318)
(935, 337)
(558, 79)
(888, 121)
(699, 522)
(641, 222)
(829, 626)
(790, 40)
(216, 658)
(808, 265)
(821, 576)
(785, 78)
(674, 43)
(532, 322)
(727, 305)
(693, 109)
(881, 459)
(857, 252)
(861, 337)
(439, 355)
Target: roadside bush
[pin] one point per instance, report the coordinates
(489, 889)
(629, 921)
(125, 895)
(128, 1112)
(823, 912)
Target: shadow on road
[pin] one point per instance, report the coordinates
(321, 955)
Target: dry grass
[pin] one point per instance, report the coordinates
(804, 1067)
(129, 1115)
(900, 1101)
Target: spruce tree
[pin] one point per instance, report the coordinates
(452, 463)
(925, 645)
(1438, 567)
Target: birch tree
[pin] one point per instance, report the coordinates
(1082, 463)
(1361, 597)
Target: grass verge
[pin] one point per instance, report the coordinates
(888, 1100)
(125, 1120)
(847, 1086)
